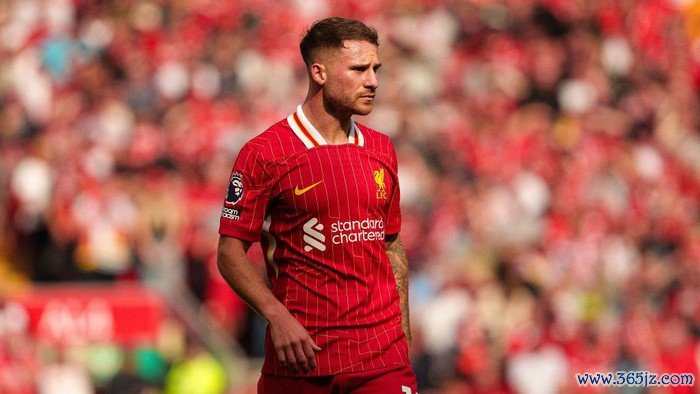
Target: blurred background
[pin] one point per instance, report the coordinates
(549, 162)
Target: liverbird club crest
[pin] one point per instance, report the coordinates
(379, 180)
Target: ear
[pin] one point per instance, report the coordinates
(318, 73)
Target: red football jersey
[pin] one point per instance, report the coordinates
(322, 213)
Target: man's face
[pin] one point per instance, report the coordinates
(352, 77)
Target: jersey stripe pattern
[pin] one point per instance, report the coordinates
(322, 213)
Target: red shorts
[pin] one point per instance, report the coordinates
(384, 380)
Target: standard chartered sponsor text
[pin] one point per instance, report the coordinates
(357, 230)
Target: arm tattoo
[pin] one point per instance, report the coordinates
(399, 265)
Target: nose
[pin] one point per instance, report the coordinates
(372, 80)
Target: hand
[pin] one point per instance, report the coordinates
(294, 347)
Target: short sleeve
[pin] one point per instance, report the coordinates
(247, 197)
(394, 215)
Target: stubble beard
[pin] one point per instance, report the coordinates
(348, 105)
(363, 110)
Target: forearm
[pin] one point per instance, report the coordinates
(399, 265)
(291, 342)
(240, 274)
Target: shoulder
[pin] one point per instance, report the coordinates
(377, 141)
(277, 142)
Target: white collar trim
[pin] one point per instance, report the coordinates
(310, 136)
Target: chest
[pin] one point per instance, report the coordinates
(337, 181)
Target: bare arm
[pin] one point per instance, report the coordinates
(399, 265)
(293, 345)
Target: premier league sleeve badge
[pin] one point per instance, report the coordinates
(235, 189)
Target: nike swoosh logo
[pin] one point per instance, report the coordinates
(299, 192)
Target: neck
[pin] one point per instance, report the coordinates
(333, 126)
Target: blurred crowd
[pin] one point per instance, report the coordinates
(549, 164)
(172, 363)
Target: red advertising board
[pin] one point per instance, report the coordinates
(122, 313)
